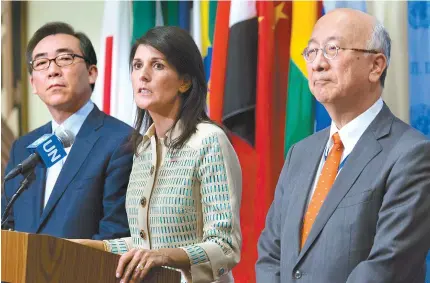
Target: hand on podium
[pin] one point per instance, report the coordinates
(134, 265)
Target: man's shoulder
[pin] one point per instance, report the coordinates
(30, 137)
(407, 132)
(115, 126)
(406, 138)
(314, 139)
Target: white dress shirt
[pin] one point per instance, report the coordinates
(73, 124)
(349, 135)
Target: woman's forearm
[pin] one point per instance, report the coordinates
(176, 258)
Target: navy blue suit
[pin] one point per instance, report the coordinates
(88, 199)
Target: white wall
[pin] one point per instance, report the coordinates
(84, 16)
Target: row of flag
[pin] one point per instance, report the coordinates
(258, 86)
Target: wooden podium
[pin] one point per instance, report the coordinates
(42, 258)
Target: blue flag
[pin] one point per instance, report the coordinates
(419, 71)
(184, 14)
(419, 65)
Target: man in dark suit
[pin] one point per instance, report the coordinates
(352, 203)
(83, 195)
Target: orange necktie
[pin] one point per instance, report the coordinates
(325, 182)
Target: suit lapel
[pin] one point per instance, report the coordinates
(365, 150)
(39, 195)
(311, 160)
(83, 145)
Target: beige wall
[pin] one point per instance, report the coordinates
(396, 91)
(85, 16)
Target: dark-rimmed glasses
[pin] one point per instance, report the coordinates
(330, 52)
(61, 60)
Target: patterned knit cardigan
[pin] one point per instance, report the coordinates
(187, 199)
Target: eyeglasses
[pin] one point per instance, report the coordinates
(330, 52)
(61, 61)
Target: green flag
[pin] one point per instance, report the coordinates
(143, 18)
(300, 113)
(170, 13)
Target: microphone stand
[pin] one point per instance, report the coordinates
(28, 179)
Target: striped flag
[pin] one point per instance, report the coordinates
(274, 30)
(123, 23)
(240, 84)
(233, 77)
(248, 94)
(208, 15)
(195, 24)
(202, 30)
(219, 61)
(113, 92)
(206, 22)
(300, 106)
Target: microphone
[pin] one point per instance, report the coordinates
(49, 149)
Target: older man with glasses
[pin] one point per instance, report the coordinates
(352, 203)
(83, 195)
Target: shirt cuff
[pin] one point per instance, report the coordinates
(208, 262)
(118, 246)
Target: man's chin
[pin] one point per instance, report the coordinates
(323, 97)
(58, 104)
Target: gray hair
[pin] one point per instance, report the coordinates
(380, 40)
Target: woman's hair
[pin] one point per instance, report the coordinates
(182, 53)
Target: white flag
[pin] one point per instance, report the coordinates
(113, 91)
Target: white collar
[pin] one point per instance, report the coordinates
(352, 132)
(75, 122)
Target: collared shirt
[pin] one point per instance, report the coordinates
(349, 135)
(73, 124)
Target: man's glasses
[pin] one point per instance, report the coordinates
(330, 52)
(61, 61)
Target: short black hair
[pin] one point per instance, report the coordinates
(52, 28)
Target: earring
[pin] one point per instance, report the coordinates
(184, 87)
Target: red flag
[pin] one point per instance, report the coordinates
(219, 61)
(223, 91)
(264, 132)
(251, 46)
(272, 85)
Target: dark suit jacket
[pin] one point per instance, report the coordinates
(374, 225)
(88, 199)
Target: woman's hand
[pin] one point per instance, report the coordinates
(90, 243)
(134, 265)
